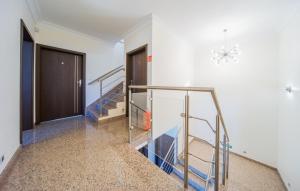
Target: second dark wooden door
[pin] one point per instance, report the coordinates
(139, 69)
(60, 84)
(136, 71)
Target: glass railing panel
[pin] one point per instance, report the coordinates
(140, 119)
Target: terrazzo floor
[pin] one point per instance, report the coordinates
(74, 154)
(83, 156)
(244, 174)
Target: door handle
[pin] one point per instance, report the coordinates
(79, 83)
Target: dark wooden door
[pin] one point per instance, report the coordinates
(60, 84)
(27, 86)
(26, 80)
(136, 70)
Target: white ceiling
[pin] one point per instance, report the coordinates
(196, 19)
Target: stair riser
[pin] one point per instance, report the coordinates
(101, 109)
(114, 112)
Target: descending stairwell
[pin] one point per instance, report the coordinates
(110, 105)
(197, 163)
(200, 173)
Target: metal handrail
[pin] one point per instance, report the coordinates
(217, 105)
(108, 74)
(187, 89)
(113, 81)
(201, 119)
(197, 89)
(203, 160)
(137, 107)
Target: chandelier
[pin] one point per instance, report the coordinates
(225, 54)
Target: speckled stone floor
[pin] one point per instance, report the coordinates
(84, 156)
(74, 154)
(244, 174)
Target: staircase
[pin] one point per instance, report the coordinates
(198, 163)
(109, 106)
(200, 172)
(112, 104)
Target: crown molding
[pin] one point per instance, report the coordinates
(75, 32)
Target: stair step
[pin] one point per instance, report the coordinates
(110, 105)
(192, 176)
(194, 170)
(203, 151)
(195, 185)
(115, 96)
(94, 115)
(113, 100)
(103, 112)
(100, 109)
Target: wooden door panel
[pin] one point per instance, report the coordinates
(139, 70)
(27, 85)
(136, 71)
(58, 85)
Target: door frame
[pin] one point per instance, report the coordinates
(38, 76)
(22, 28)
(129, 69)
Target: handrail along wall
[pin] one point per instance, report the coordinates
(105, 76)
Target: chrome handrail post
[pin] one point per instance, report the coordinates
(186, 145)
(101, 88)
(151, 108)
(224, 161)
(217, 153)
(227, 159)
(137, 117)
(129, 125)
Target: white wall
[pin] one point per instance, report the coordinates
(101, 56)
(172, 61)
(136, 37)
(247, 91)
(172, 64)
(10, 14)
(289, 104)
(173, 57)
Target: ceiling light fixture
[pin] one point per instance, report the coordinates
(224, 55)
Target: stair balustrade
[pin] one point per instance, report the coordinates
(105, 76)
(219, 162)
